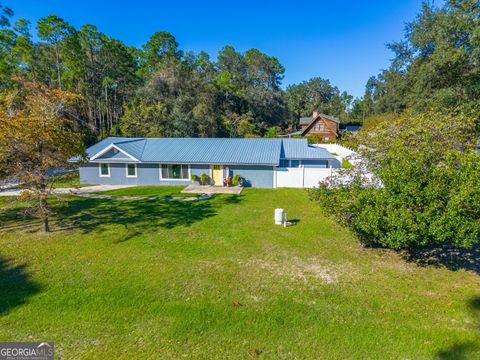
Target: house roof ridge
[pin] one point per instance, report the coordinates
(126, 138)
(128, 141)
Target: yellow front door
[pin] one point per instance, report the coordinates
(217, 175)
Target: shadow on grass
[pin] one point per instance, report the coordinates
(137, 217)
(468, 349)
(12, 217)
(15, 284)
(447, 256)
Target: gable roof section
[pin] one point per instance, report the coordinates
(305, 120)
(114, 154)
(320, 117)
(258, 151)
(130, 150)
(331, 118)
(103, 144)
(133, 147)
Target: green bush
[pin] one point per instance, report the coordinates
(428, 176)
(318, 139)
(236, 180)
(272, 132)
(204, 179)
(195, 178)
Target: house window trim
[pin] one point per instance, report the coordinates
(100, 169)
(126, 170)
(168, 179)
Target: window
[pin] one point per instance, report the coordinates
(131, 170)
(104, 169)
(174, 172)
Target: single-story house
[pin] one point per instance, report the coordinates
(322, 125)
(173, 161)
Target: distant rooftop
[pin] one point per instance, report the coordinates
(350, 127)
(307, 120)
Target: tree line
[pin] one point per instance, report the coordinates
(159, 89)
(435, 66)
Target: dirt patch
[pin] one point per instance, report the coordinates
(297, 269)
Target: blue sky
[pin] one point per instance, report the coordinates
(343, 41)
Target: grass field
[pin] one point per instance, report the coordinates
(216, 279)
(149, 191)
(65, 180)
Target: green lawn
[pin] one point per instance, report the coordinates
(65, 180)
(149, 191)
(216, 279)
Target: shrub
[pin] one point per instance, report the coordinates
(318, 139)
(204, 179)
(195, 178)
(427, 179)
(272, 132)
(236, 180)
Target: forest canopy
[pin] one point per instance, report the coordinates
(158, 89)
(435, 65)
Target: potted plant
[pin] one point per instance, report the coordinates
(195, 179)
(236, 180)
(228, 180)
(204, 179)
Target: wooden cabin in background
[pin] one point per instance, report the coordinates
(324, 126)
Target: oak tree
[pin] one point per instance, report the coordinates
(36, 136)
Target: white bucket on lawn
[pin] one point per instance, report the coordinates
(279, 216)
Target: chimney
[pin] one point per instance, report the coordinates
(315, 115)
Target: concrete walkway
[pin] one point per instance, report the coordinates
(87, 191)
(206, 189)
(71, 190)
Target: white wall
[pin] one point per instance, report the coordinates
(341, 152)
(309, 177)
(302, 177)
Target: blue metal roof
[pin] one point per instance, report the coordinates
(213, 150)
(299, 149)
(256, 151)
(133, 147)
(96, 148)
